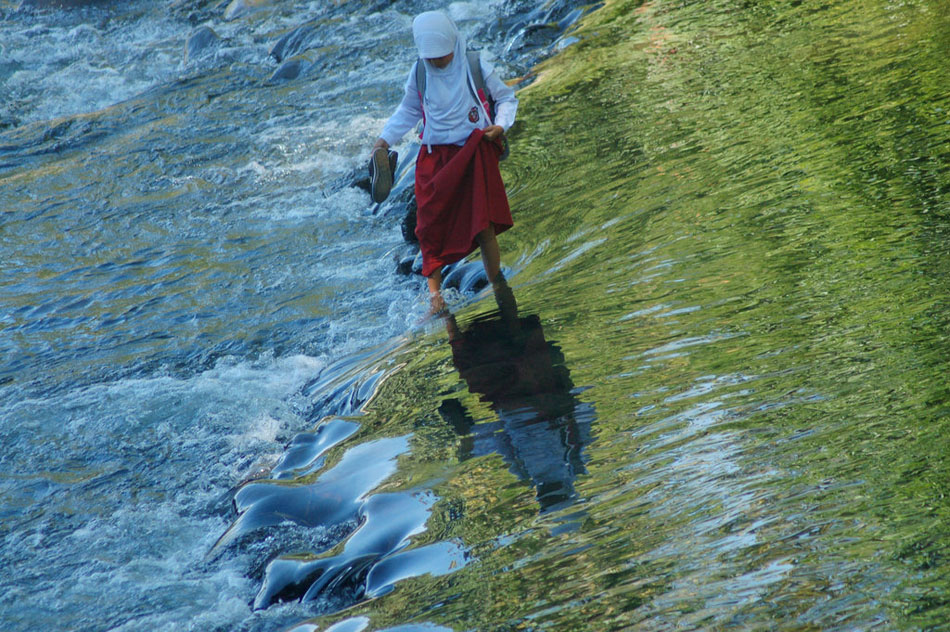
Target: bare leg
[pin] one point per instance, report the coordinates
(491, 257)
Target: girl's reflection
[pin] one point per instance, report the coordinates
(541, 427)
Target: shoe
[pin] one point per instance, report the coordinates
(393, 157)
(382, 168)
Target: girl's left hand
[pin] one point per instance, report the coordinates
(494, 131)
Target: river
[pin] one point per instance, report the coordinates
(713, 397)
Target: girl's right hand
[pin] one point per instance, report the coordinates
(380, 143)
(494, 131)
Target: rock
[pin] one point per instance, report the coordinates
(404, 266)
(290, 69)
(7, 65)
(406, 258)
(295, 41)
(199, 41)
(465, 276)
(197, 12)
(240, 8)
(534, 36)
(359, 178)
(408, 224)
(59, 4)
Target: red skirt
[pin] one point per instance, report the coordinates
(459, 193)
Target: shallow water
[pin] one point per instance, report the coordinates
(715, 396)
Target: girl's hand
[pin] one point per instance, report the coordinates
(380, 143)
(494, 131)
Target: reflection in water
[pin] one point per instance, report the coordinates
(542, 428)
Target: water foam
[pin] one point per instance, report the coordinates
(67, 68)
(133, 497)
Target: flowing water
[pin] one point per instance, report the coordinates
(714, 396)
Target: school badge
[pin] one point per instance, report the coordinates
(473, 115)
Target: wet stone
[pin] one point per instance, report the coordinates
(240, 8)
(294, 42)
(291, 69)
(408, 224)
(60, 4)
(387, 521)
(465, 276)
(404, 266)
(535, 35)
(199, 42)
(306, 449)
(357, 177)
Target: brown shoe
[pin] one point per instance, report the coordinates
(382, 168)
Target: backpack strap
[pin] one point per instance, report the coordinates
(420, 71)
(475, 64)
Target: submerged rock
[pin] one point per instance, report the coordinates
(306, 450)
(387, 521)
(335, 498)
(200, 40)
(7, 121)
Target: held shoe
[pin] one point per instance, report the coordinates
(382, 168)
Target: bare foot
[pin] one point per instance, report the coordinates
(436, 303)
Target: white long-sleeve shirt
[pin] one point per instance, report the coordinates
(409, 112)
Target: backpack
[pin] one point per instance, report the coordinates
(474, 64)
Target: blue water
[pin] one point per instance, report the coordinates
(184, 257)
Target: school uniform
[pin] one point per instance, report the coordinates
(459, 190)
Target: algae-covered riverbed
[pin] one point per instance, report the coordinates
(732, 221)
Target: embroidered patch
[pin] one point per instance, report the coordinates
(473, 115)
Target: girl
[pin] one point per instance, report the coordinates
(460, 196)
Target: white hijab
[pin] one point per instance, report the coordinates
(448, 97)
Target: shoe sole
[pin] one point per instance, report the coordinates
(381, 175)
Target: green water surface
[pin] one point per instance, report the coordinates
(732, 219)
